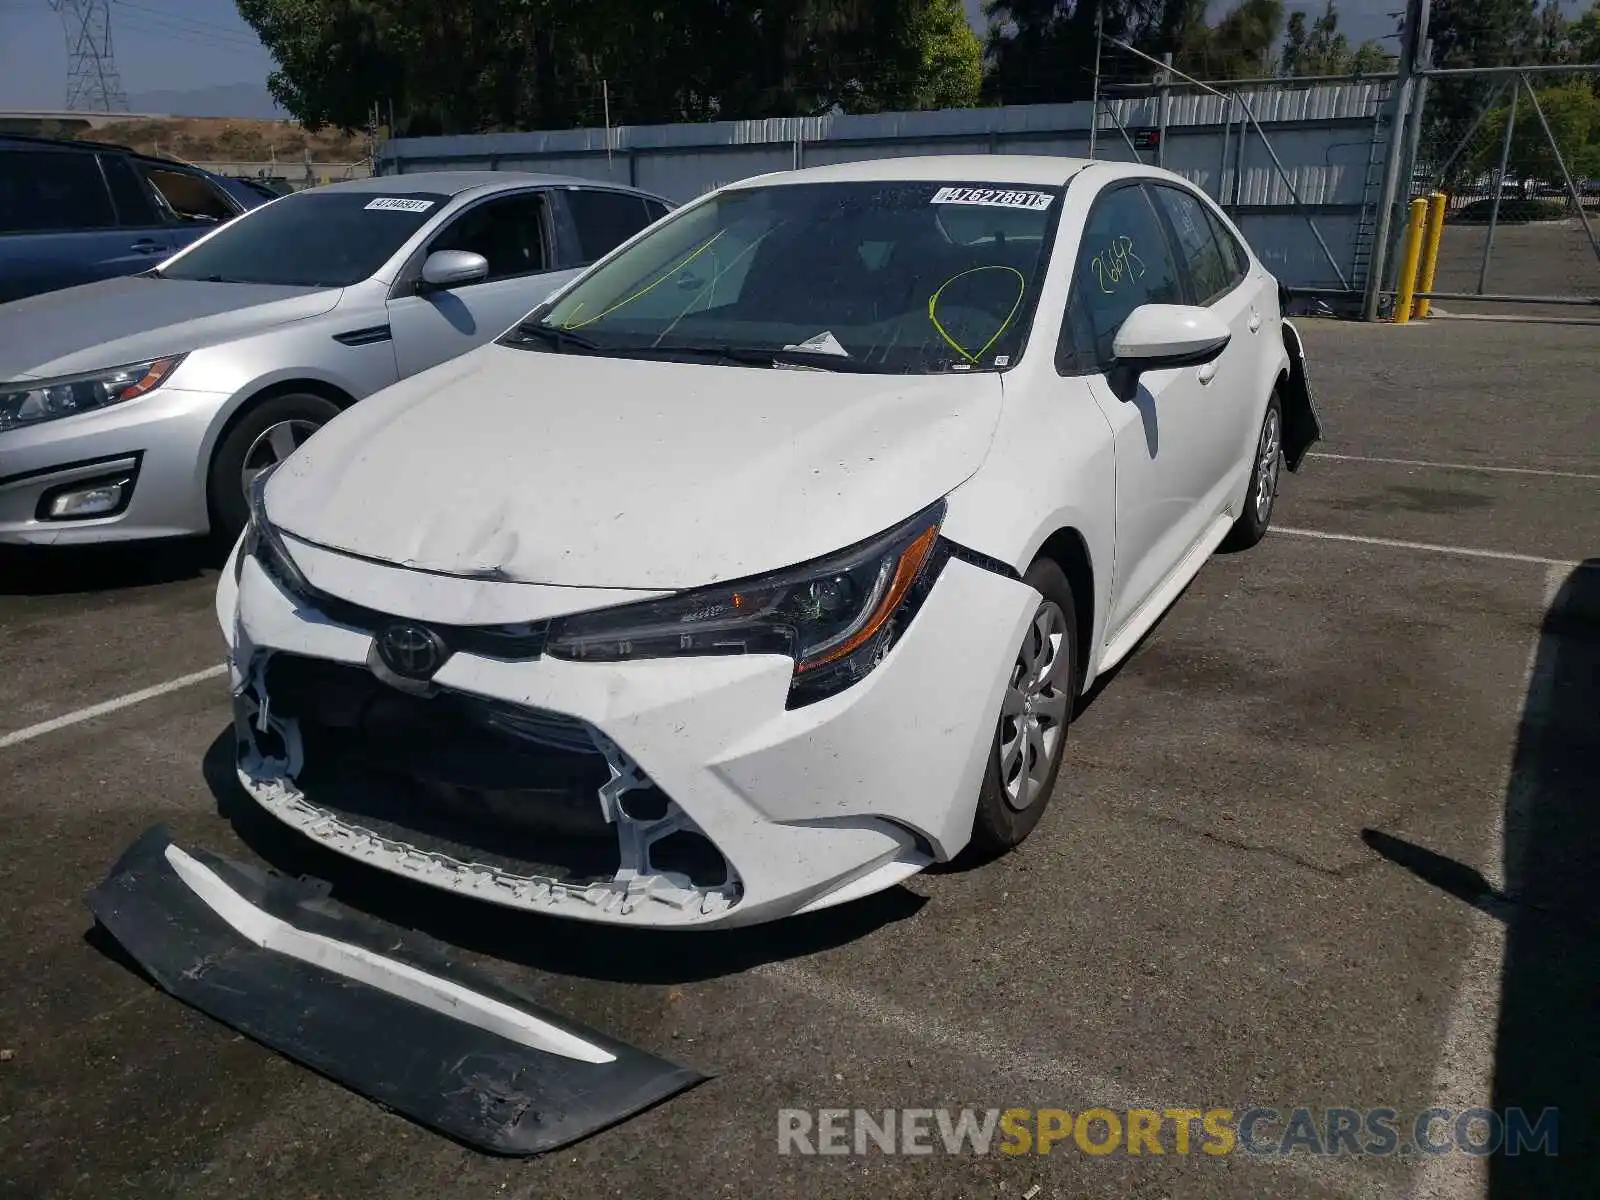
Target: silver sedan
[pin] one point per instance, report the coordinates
(142, 407)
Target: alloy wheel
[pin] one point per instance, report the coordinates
(1268, 455)
(1033, 714)
(274, 444)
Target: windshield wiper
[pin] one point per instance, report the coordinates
(557, 337)
(763, 357)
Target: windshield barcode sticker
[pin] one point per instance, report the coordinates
(995, 197)
(396, 204)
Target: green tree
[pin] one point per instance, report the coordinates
(1239, 46)
(1318, 48)
(474, 65)
(1583, 36)
(1573, 114)
(1043, 51)
(1484, 33)
(949, 70)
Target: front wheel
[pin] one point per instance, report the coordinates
(1031, 736)
(261, 437)
(1252, 524)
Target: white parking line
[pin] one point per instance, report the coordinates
(1432, 547)
(109, 706)
(1450, 466)
(1464, 1076)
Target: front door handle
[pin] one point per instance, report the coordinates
(1208, 371)
(1255, 321)
(146, 246)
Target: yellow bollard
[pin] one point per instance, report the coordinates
(1430, 251)
(1408, 262)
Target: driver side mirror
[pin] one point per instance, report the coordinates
(445, 269)
(1157, 337)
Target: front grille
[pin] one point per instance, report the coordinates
(511, 787)
(511, 641)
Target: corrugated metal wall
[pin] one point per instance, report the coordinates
(1322, 136)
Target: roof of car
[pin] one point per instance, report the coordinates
(86, 146)
(952, 168)
(452, 183)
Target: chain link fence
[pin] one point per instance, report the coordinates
(1516, 154)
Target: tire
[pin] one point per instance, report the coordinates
(260, 435)
(1265, 471)
(1013, 796)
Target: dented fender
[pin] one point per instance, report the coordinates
(1302, 424)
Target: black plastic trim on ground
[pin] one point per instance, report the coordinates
(472, 1085)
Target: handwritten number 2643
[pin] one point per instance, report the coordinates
(1116, 263)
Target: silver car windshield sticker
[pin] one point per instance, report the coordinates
(397, 204)
(993, 197)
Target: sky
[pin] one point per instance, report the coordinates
(167, 46)
(160, 46)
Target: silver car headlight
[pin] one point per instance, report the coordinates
(836, 617)
(27, 402)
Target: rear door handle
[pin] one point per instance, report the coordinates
(146, 246)
(1208, 371)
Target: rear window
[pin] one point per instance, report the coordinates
(44, 191)
(310, 239)
(192, 198)
(604, 220)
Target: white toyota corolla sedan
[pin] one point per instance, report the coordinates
(763, 565)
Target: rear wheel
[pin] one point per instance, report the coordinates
(264, 436)
(1034, 716)
(1252, 524)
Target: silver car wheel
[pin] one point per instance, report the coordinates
(1033, 714)
(274, 444)
(1268, 454)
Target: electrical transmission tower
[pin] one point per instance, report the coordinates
(93, 84)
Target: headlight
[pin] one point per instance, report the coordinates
(264, 543)
(29, 402)
(836, 617)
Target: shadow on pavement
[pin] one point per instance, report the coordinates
(560, 946)
(61, 570)
(1547, 1045)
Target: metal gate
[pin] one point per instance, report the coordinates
(1512, 151)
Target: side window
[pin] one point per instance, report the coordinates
(655, 210)
(193, 199)
(508, 231)
(1123, 261)
(45, 190)
(604, 220)
(1196, 244)
(135, 207)
(1234, 256)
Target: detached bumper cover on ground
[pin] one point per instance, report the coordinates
(382, 1011)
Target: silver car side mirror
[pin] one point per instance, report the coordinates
(452, 268)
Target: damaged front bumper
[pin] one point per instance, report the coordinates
(672, 793)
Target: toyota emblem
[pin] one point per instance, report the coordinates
(411, 651)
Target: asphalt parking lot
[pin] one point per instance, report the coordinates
(1326, 839)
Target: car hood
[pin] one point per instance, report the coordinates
(123, 320)
(584, 471)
